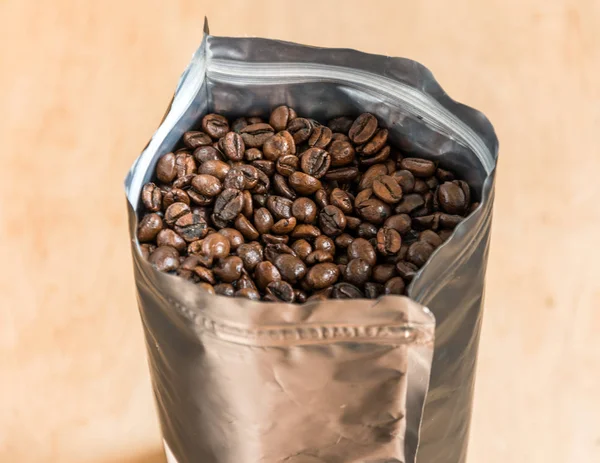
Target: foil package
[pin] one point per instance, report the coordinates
(353, 381)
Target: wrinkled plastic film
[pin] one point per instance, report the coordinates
(331, 382)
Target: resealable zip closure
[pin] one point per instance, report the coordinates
(414, 101)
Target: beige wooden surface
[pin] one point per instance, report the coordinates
(83, 85)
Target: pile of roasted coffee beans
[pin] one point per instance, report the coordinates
(292, 210)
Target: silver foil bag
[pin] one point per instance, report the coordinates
(350, 381)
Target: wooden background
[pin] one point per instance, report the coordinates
(83, 85)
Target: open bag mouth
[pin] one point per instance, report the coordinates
(356, 369)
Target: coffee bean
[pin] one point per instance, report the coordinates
(185, 164)
(332, 221)
(267, 238)
(320, 137)
(206, 153)
(234, 237)
(420, 187)
(451, 198)
(346, 291)
(281, 187)
(432, 183)
(360, 248)
(409, 203)
(175, 195)
(341, 199)
(149, 227)
(300, 296)
(444, 175)
(248, 293)
(255, 135)
(253, 154)
(344, 240)
(367, 230)
(419, 252)
(304, 184)
(321, 198)
(228, 204)
(287, 165)
(340, 137)
(363, 128)
(229, 269)
(324, 243)
(233, 146)
(376, 143)
(319, 256)
(322, 275)
(431, 237)
(262, 186)
(387, 189)
(372, 174)
(406, 270)
(352, 222)
(281, 117)
(147, 249)
(445, 234)
(168, 237)
(464, 186)
(357, 272)
(265, 273)
(373, 290)
(378, 158)
(216, 246)
(215, 125)
(165, 259)
(419, 167)
(175, 211)
(305, 231)
(224, 289)
(395, 286)
(263, 220)
(239, 124)
(193, 139)
(247, 206)
(273, 250)
(405, 179)
(165, 168)
(215, 168)
(399, 222)
(302, 248)
(315, 162)
(383, 272)
(449, 221)
(374, 211)
(205, 274)
(251, 254)
(280, 207)
(304, 210)
(284, 226)
(255, 120)
(426, 221)
(342, 153)
(277, 146)
(207, 185)
(245, 227)
(291, 268)
(151, 197)
(388, 241)
(191, 227)
(340, 124)
(300, 129)
(342, 174)
(280, 291)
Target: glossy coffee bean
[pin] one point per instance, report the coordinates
(168, 237)
(281, 117)
(206, 153)
(271, 251)
(375, 144)
(149, 227)
(278, 146)
(395, 286)
(229, 269)
(234, 237)
(147, 249)
(291, 268)
(191, 227)
(165, 258)
(360, 248)
(449, 221)
(151, 197)
(431, 237)
(207, 185)
(405, 179)
(300, 129)
(304, 210)
(383, 272)
(267, 167)
(388, 241)
(215, 168)
(175, 195)
(363, 128)
(340, 124)
(255, 135)
(322, 276)
(419, 252)
(407, 270)
(215, 125)
(205, 274)
(216, 246)
(346, 291)
(302, 248)
(280, 291)
(419, 167)
(233, 146)
(165, 169)
(378, 158)
(245, 227)
(175, 211)
(320, 136)
(357, 272)
(342, 174)
(315, 162)
(387, 189)
(280, 207)
(374, 211)
(342, 200)
(304, 184)
(373, 290)
(344, 240)
(251, 255)
(332, 221)
(342, 153)
(195, 139)
(224, 289)
(228, 204)
(324, 243)
(319, 256)
(367, 230)
(263, 220)
(452, 198)
(248, 293)
(409, 203)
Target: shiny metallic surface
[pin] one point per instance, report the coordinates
(335, 381)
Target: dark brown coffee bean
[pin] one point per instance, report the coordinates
(207, 185)
(352, 222)
(373, 290)
(383, 272)
(239, 124)
(320, 137)
(263, 220)
(387, 189)
(300, 129)
(363, 128)
(431, 237)
(229, 269)
(175, 195)
(248, 206)
(165, 168)
(281, 117)
(302, 248)
(149, 227)
(152, 197)
(464, 186)
(342, 153)
(175, 211)
(284, 226)
(147, 249)
(346, 291)
(287, 165)
(322, 295)
(215, 125)
(248, 293)
(305, 231)
(300, 296)
(419, 167)
(280, 291)
(245, 281)
(404, 249)
(321, 198)
(262, 186)
(409, 203)
(228, 204)
(304, 210)
(183, 182)
(265, 273)
(234, 179)
(372, 174)
(216, 246)
(332, 221)
(168, 237)
(344, 240)
(342, 259)
(342, 174)
(224, 289)
(340, 137)
(395, 286)
(367, 230)
(234, 237)
(233, 146)
(406, 270)
(281, 187)
(444, 175)
(319, 256)
(273, 250)
(341, 199)
(267, 238)
(254, 120)
(375, 144)
(419, 252)
(195, 249)
(191, 227)
(324, 243)
(340, 124)
(432, 183)
(280, 207)
(424, 222)
(315, 162)
(388, 241)
(246, 228)
(421, 187)
(253, 154)
(255, 135)
(451, 198)
(165, 258)
(194, 139)
(185, 164)
(445, 234)
(292, 269)
(251, 255)
(267, 167)
(278, 146)
(259, 200)
(405, 179)
(360, 248)
(304, 184)
(449, 221)
(206, 153)
(322, 275)
(215, 168)
(399, 222)
(374, 211)
(378, 158)
(205, 274)
(357, 272)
